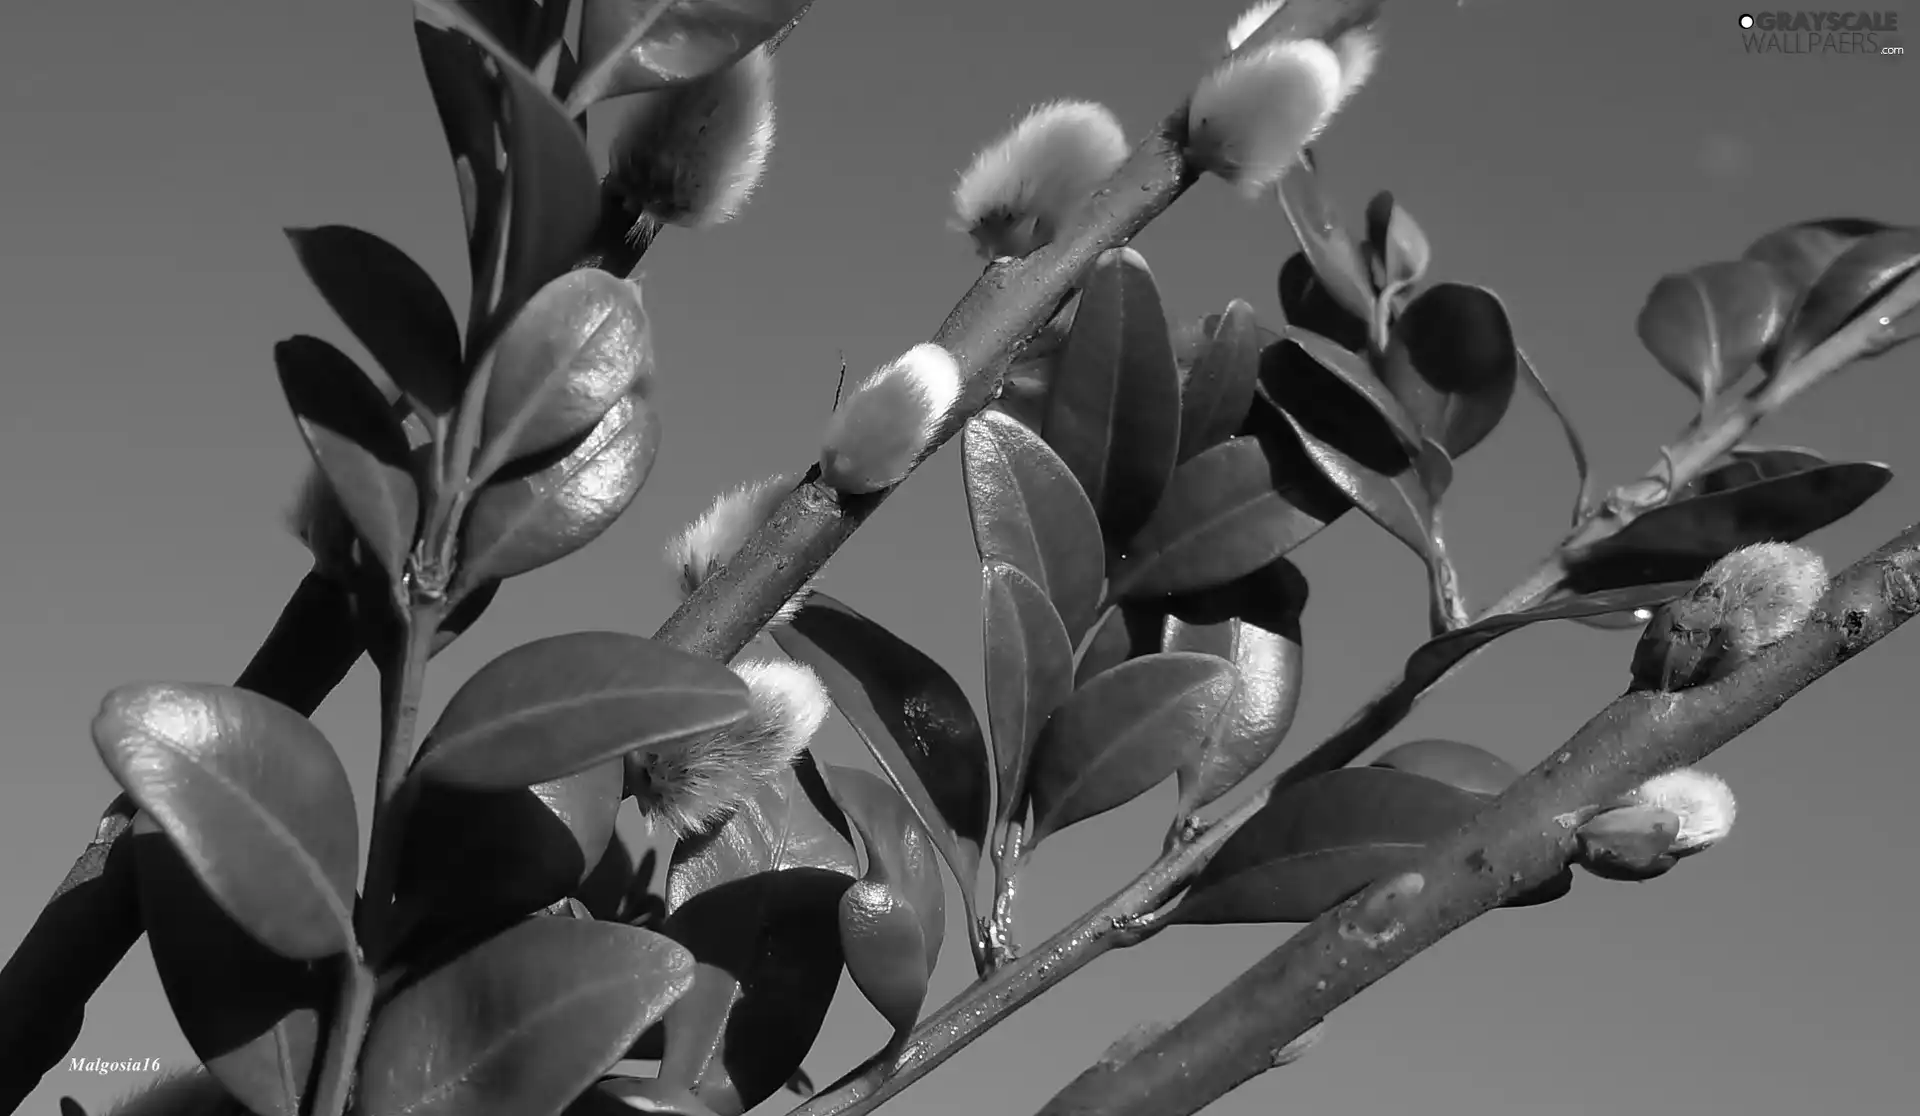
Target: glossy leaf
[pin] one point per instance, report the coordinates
(1114, 412)
(562, 704)
(1122, 733)
(1267, 666)
(1451, 762)
(1802, 251)
(892, 922)
(1126, 631)
(1451, 362)
(757, 901)
(1349, 368)
(470, 856)
(1850, 284)
(1218, 388)
(685, 40)
(1321, 840)
(1306, 302)
(350, 429)
(1223, 516)
(1398, 502)
(466, 92)
(578, 347)
(252, 796)
(252, 1016)
(1030, 512)
(911, 715)
(1335, 258)
(521, 1024)
(523, 520)
(1398, 252)
(1682, 539)
(1749, 464)
(1029, 672)
(1707, 326)
(392, 306)
(1575, 446)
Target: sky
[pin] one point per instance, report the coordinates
(1563, 154)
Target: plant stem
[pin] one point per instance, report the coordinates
(401, 683)
(1008, 854)
(348, 1030)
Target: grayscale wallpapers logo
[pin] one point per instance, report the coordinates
(1866, 34)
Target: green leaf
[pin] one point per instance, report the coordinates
(1030, 512)
(757, 901)
(1114, 412)
(1709, 325)
(1266, 694)
(360, 447)
(1451, 361)
(1125, 631)
(252, 796)
(1850, 284)
(1800, 252)
(1531, 377)
(1284, 374)
(1223, 516)
(689, 39)
(562, 704)
(1320, 841)
(471, 856)
(1306, 302)
(1029, 673)
(1397, 501)
(1680, 540)
(1335, 259)
(392, 306)
(521, 1024)
(1451, 762)
(912, 716)
(1122, 733)
(577, 348)
(1218, 388)
(1397, 250)
(892, 922)
(536, 512)
(251, 1015)
(1746, 465)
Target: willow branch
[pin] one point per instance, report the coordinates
(1521, 840)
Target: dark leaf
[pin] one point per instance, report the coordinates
(253, 797)
(684, 41)
(1126, 631)
(1114, 412)
(1030, 512)
(1122, 733)
(1321, 840)
(1707, 326)
(757, 902)
(520, 1025)
(392, 306)
(1281, 372)
(1397, 249)
(1336, 260)
(466, 91)
(609, 884)
(1850, 284)
(1531, 377)
(1454, 763)
(71, 1107)
(577, 348)
(1679, 541)
(1218, 388)
(251, 1016)
(562, 704)
(1265, 697)
(1399, 502)
(1271, 597)
(621, 1096)
(473, 856)
(912, 716)
(800, 1083)
(521, 521)
(1305, 302)
(1222, 517)
(358, 444)
(1750, 464)
(1029, 672)
(1802, 251)
(1451, 361)
(892, 922)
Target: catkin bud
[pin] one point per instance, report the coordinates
(711, 540)
(881, 429)
(1021, 189)
(1633, 842)
(1748, 601)
(693, 153)
(1703, 803)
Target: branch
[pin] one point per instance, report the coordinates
(1522, 839)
